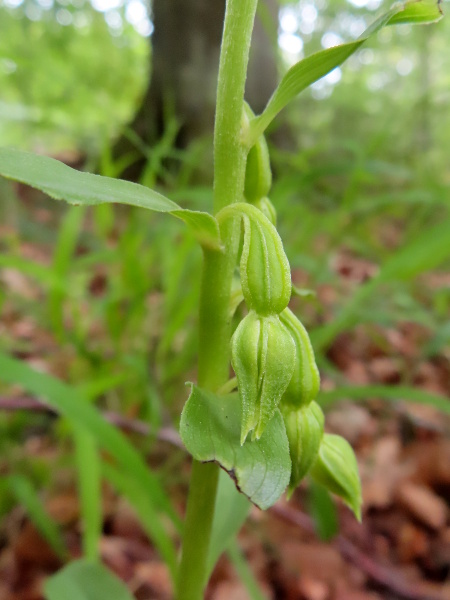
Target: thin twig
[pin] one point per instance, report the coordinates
(165, 434)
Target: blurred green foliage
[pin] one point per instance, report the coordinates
(360, 165)
(68, 79)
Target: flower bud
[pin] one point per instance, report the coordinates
(267, 209)
(305, 383)
(336, 469)
(304, 428)
(258, 175)
(264, 267)
(263, 357)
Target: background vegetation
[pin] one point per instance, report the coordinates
(107, 302)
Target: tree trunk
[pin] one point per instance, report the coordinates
(185, 58)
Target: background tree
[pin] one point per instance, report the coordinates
(185, 58)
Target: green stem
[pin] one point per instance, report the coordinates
(229, 151)
(218, 269)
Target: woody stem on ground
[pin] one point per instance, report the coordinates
(218, 268)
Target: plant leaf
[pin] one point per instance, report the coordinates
(88, 461)
(27, 496)
(419, 11)
(322, 509)
(314, 67)
(69, 402)
(211, 429)
(148, 517)
(230, 513)
(85, 189)
(85, 580)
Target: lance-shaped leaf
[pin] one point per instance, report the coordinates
(210, 428)
(314, 67)
(85, 189)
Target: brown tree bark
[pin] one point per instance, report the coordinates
(185, 58)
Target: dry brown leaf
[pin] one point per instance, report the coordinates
(423, 504)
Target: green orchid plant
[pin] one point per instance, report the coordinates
(263, 427)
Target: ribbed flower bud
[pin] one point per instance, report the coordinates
(258, 175)
(263, 357)
(336, 468)
(305, 383)
(264, 267)
(304, 428)
(267, 209)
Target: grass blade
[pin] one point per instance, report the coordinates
(147, 515)
(421, 254)
(387, 392)
(26, 495)
(67, 401)
(245, 573)
(87, 461)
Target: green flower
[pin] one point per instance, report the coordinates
(305, 383)
(304, 428)
(263, 357)
(336, 469)
(264, 267)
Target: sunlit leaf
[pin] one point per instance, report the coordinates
(211, 428)
(418, 11)
(314, 67)
(85, 189)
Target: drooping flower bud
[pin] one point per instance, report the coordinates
(264, 267)
(263, 357)
(305, 383)
(304, 428)
(336, 469)
(258, 175)
(267, 209)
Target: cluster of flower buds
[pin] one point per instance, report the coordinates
(303, 417)
(262, 350)
(271, 352)
(263, 356)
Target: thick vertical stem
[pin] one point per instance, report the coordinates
(218, 267)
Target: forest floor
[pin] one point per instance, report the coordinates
(400, 551)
